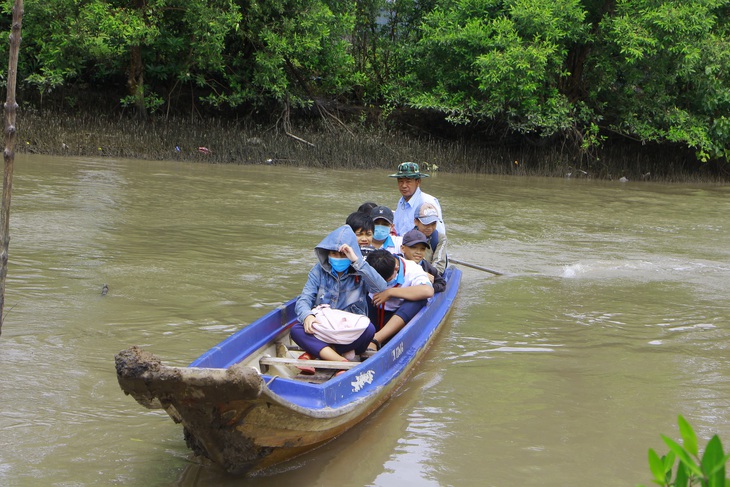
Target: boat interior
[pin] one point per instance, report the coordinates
(281, 359)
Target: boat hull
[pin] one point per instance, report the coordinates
(245, 417)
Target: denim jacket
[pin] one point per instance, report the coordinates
(348, 291)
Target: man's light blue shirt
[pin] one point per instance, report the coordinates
(405, 209)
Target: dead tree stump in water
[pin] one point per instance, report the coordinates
(11, 109)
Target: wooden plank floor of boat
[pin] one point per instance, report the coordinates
(320, 376)
(323, 375)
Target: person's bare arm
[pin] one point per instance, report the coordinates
(410, 293)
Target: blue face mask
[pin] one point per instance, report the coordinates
(398, 279)
(381, 233)
(338, 264)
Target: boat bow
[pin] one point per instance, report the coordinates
(154, 385)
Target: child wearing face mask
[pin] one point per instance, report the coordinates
(341, 279)
(383, 237)
(408, 291)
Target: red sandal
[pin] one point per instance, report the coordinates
(305, 369)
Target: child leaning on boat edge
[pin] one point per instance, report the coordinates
(342, 278)
(408, 291)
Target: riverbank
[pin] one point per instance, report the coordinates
(340, 145)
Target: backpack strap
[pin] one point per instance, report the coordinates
(434, 240)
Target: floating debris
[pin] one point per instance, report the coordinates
(429, 166)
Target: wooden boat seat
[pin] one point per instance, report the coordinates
(318, 364)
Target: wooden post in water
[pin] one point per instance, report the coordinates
(11, 108)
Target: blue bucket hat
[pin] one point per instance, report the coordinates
(409, 170)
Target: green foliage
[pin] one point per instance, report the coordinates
(489, 60)
(152, 102)
(651, 71)
(49, 54)
(66, 40)
(44, 81)
(662, 70)
(287, 51)
(707, 471)
(383, 33)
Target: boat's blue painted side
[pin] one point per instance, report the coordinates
(357, 384)
(249, 339)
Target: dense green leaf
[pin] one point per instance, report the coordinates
(710, 472)
(669, 459)
(683, 455)
(713, 463)
(688, 436)
(683, 477)
(657, 468)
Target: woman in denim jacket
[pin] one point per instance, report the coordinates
(342, 279)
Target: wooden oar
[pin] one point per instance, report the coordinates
(474, 266)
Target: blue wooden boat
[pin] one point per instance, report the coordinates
(244, 404)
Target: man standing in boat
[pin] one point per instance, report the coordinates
(409, 184)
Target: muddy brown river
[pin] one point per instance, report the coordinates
(612, 318)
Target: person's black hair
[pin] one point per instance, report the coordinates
(360, 220)
(367, 207)
(365, 251)
(383, 262)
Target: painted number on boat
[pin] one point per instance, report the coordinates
(397, 351)
(362, 379)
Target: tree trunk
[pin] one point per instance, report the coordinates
(573, 86)
(136, 80)
(11, 108)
